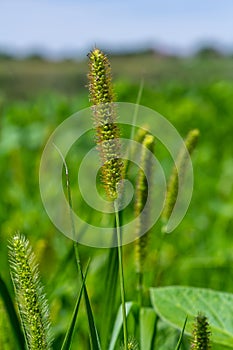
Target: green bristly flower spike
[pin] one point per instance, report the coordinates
(201, 334)
(31, 302)
(173, 185)
(107, 131)
(140, 201)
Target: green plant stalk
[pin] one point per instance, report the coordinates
(140, 288)
(121, 277)
(71, 210)
(93, 333)
(135, 115)
(130, 151)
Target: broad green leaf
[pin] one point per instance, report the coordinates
(70, 331)
(173, 304)
(118, 324)
(148, 320)
(13, 317)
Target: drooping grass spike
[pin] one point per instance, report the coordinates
(31, 301)
(107, 131)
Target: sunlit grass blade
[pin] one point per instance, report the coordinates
(94, 339)
(13, 317)
(181, 335)
(148, 322)
(70, 331)
(109, 307)
(119, 324)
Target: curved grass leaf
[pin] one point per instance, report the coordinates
(94, 339)
(181, 335)
(148, 320)
(95, 344)
(173, 304)
(13, 317)
(118, 324)
(69, 334)
(110, 307)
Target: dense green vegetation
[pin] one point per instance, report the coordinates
(36, 96)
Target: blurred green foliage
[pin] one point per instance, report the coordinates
(191, 93)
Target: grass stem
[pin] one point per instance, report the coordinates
(121, 276)
(140, 288)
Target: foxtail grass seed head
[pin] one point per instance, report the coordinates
(141, 199)
(107, 131)
(100, 78)
(173, 183)
(32, 305)
(201, 333)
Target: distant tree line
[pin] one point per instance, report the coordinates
(204, 52)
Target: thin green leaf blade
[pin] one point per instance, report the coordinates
(13, 317)
(174, 303)
(70, 332)
(94, 339)
(118, 324)
(181, 335)
(110, 307)
(147, 327)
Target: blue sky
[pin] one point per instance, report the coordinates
(74, 25)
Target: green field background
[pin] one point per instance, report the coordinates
(36, 96)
